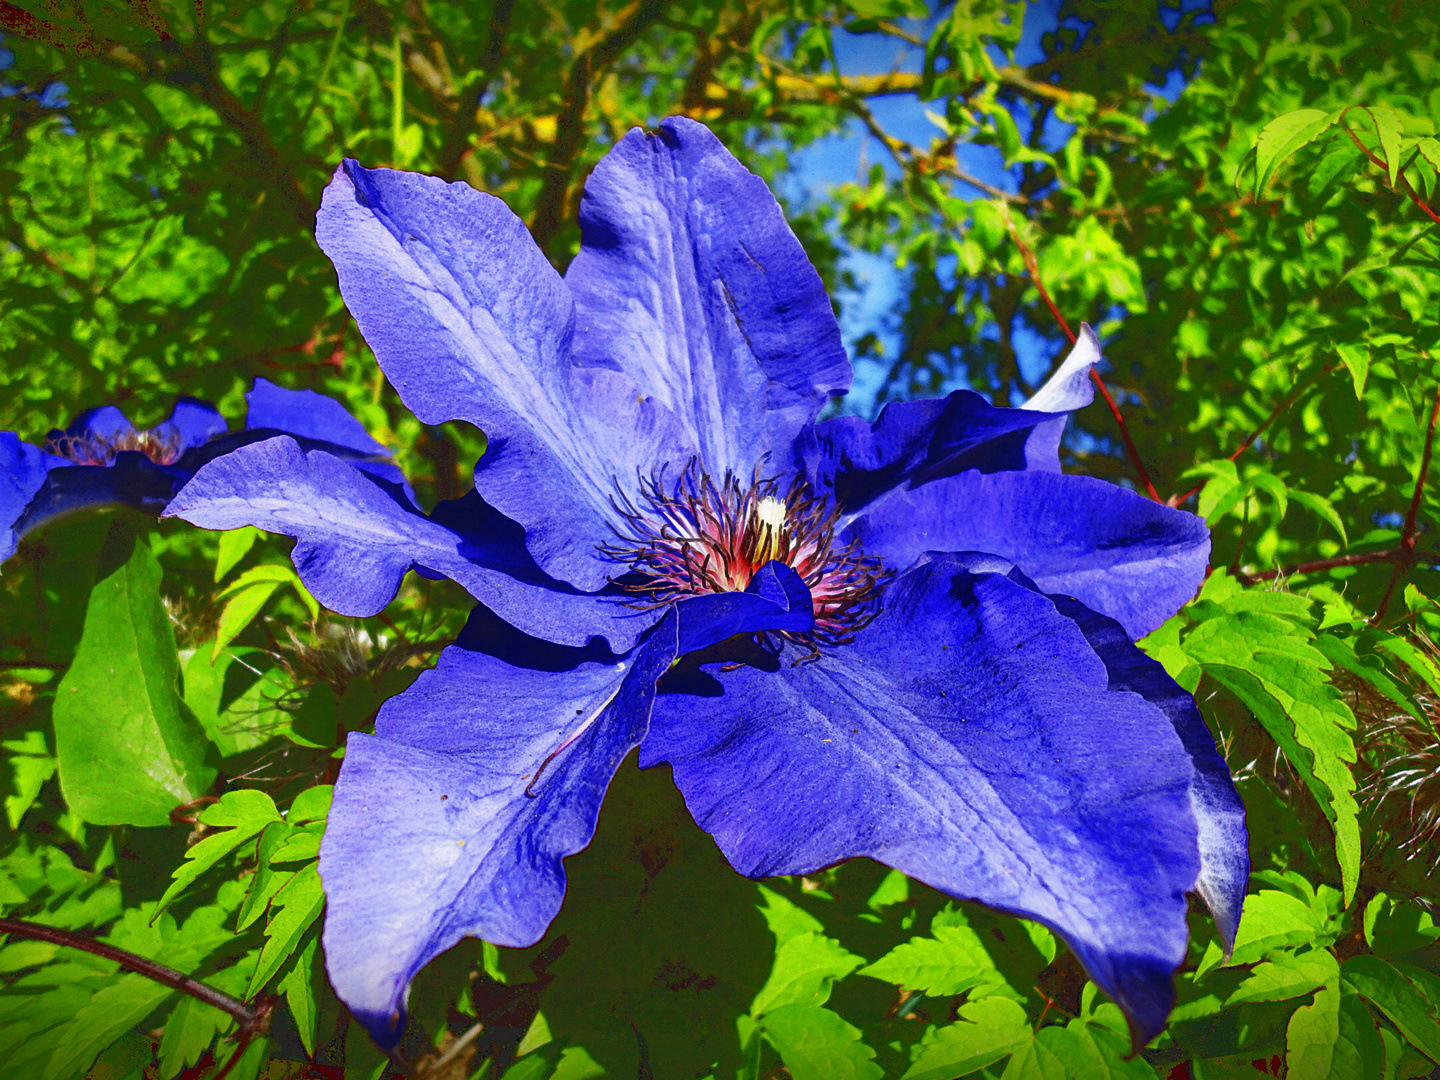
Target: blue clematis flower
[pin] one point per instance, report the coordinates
(102, 459)
(910, 640)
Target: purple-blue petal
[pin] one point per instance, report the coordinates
(967, 737)
(914, 442)
(356, 540)
(469, 321)
(131, 479)
(105, 422)
(454, 818)
(307, 414)
(1121, 554)
(1219, 814)
(23, 469)
(690, 281)
(191, 423)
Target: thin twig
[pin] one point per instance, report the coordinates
(247, 1017)
(1033, 266)
(1396, 555)
(1407, 534)
(455, 1050)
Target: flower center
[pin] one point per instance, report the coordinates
(698, 537)
(101, 449)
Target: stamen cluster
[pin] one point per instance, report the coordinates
(695, 536)
(101, 449)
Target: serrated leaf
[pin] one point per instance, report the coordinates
(266, 881)
(129, 749)
(1273, 920)
(105, 1018)
(987, 1030)
(244, 814)
(302, 845)
(1356, 358)
(298, 986)
(1395, 996)
(805, 969)
(1288, 976)
(235, 544)
(1324, 509)
(952, 961)
(30, 766)
(1284, 135)
(1343, 655)
(189, 1032)
(785, 918)
(1391, 134)
(1273, 486)
(817, 1044)
(294, 908)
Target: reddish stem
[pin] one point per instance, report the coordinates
(1407, 534)
(1033, 266)
(1404, 184)
(1397, 554)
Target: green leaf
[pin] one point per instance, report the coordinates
(894, 888)
(806, 967)
(987, 1030)
(1283, 136)
(1395, 996)
(1394, 927)
(1356, 358)
(1272, 920)
(1288, 976)
(1333, 1039)
(312, 804)
(109, 1014)
(239, 613)
(1273, 486)
(233, 726)
(299, 903)
(785, 918)
(30, 766)
(298, 986)
(1322, 508)
(129, 749)
(1391, 134)
(953, 961)
(189, 1032)
(244, 813)
(234, 546)
(267, 881)
(817, 1044)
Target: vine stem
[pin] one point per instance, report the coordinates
(1032, 265)
(1396, 555)
(1407, 534)
(252, 1020)
(1404, 184)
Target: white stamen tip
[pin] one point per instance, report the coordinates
(770, 512)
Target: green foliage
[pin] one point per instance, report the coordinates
(1259, 254)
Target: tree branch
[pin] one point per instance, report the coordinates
(457, 139)
(1399, 176)
(553, 203)
(1400, 555)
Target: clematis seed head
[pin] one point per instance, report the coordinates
(696, 536)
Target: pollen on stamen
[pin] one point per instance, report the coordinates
(693, 536)
(101, 449)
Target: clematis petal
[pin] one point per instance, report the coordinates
(191, 423)
(131, 480)
(690, 281)
(104, 422)
(308, 415)
(1219, 813)
(356, 541)
(454, 817)
(469, 321)
(913, 442)
(1070, 388)
(23, 469)
(968, 738)
(1119, 553)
